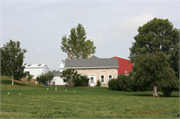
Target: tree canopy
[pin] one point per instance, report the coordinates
(153, 69)
(157, 35)
(12, 56)
(76, 44)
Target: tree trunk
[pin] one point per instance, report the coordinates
(155, 93)
(12, 81)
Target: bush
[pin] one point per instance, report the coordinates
(113, 84)
(168, 86)
(123, 82)
(45, 77)
(98, 83)
(84, 81)
(167, 91)
(72, 77)
(79, 80)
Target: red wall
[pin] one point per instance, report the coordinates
(124, 65)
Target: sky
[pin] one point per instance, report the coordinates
(39, 25)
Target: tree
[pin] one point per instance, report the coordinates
(67, 75)
(12, 56)
(29, 78)
(157, 35)
(45, 77)
(153, 69)
(76, 44)
(73, 78)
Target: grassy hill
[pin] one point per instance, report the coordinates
(36, 101)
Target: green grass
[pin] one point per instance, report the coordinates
(38, 102)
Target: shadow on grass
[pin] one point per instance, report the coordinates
(151, 95)
(10, 82)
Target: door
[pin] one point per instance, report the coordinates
(92, 80)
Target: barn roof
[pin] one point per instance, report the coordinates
(92, 62)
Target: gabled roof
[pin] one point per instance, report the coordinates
(121, 58)
(57, 73)
(34, 65)
(92, 62)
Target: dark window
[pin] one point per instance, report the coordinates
(110, 77)
(27, 72)
(102, 78)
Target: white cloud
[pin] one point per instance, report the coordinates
(96, 38)
(40, 50)
(133, 23)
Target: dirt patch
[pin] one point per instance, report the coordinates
(24, 81)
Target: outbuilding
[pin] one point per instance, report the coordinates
(57, 80)
(36, 69)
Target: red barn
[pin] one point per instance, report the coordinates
(124, 65)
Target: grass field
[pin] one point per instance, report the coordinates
(36, 101)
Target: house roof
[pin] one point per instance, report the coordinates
(57, 73)
(34, 65)
(92, 62)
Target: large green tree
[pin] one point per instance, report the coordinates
(157, 35)
(12, 56)
(76, 44)
(153, 69)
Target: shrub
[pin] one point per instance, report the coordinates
(45, 77)
(167, 91)
(124, 82)
(113, 84)
(84, 81)
(72, 77)
(98, 83)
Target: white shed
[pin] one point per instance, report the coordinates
(57, 80)
(36, 69)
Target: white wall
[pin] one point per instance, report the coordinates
(45, 69)
(34, 71)
(57, 80)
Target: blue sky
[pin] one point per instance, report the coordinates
(40, 25)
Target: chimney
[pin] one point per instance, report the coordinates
(69, 56)
(89, 55)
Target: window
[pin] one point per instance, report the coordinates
(110, 77)
(27, 72)
(102, 78)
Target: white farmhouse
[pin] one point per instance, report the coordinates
(36, 69)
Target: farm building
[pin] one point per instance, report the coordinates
(124, 65)
(102, 69)
(36, 69)
(57, 80)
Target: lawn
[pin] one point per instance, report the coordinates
(36, 101)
